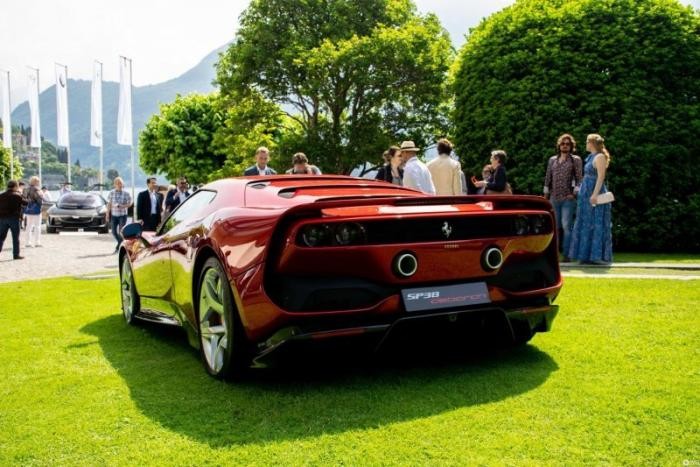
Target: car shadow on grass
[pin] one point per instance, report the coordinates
(169, 385)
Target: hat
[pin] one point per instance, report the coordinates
(409, 146)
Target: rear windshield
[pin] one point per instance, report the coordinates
(80, 201)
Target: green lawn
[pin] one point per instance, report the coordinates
(616, 381)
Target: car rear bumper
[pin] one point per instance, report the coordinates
(443, 327)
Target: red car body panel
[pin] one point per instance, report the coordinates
(254, 225)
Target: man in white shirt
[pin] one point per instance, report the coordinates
(65, 188)
(415, 174)
(445, 171)
(46, 194)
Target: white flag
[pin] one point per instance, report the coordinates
(33, 92)
(96, 107)
(124, 116)
(6, 124)
(62, 137)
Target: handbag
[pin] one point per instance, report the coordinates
(506, 191)
(33, 208)
(606, 198)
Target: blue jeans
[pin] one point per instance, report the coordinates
(564, 213)
(11, 224)
(117, 222)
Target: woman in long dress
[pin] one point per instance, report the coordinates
(591, 240)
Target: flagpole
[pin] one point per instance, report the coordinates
(7, 127)
(9, 106)
(65, 67)
(38, 88)
(131, 108)
(102, 141)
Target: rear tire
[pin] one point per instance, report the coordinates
(131, 301)
(223, 345)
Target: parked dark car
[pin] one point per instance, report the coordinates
(257, 267)
(78, 210)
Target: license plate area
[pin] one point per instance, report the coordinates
(445, 296)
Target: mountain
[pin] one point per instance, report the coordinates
(145, 102)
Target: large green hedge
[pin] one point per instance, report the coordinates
(627, 69)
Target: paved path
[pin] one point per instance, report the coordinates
(679, 266)
(632, 276)
(61, 255)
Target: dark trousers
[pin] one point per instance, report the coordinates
(117, 222)
(11, 224)
(151, 222)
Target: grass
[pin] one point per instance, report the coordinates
(615, 382)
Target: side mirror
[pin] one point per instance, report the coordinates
(132, 231)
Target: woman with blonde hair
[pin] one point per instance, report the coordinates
(591, 240)
(33, 212)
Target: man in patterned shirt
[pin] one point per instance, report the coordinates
(118, 203)
(561, 185)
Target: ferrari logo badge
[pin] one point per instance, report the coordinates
(446, 229)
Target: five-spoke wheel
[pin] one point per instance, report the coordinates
(131, 302)
(220, 333)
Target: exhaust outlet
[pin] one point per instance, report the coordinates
(405, 264)
(492, 259)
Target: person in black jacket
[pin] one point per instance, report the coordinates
(177, 195)
(149, 206)
(391, 171)
(262, 157)
(497, 184)
(11, 207)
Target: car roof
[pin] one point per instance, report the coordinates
(282, 191)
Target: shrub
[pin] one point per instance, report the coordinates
(627, 69)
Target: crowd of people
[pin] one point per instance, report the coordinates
(571, 184)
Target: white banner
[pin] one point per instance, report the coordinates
(33, 97)
(62, 136)
(96, 107)
(124, 125)
(5, 98)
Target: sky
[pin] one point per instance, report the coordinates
(164, 38)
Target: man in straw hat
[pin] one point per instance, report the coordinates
(415, 174)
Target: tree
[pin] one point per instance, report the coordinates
(355, 76)
(627, 69)
(112, 174)
(247, 124)
(204, 137)
(5, 167)
(178, 141)
(50, 163)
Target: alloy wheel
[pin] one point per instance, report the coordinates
(213, 330)
(127, 286)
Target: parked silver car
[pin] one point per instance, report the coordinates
(78, 210)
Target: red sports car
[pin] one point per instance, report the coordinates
(254, 267)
